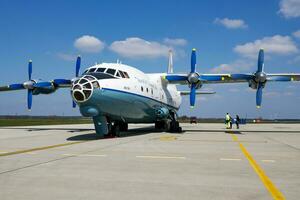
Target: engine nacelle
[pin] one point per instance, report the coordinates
(162, 113)
(252, 84)
(43, 90)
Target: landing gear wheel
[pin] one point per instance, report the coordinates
(174, 127)
(123, 126)
(115, 130)
(159, 125)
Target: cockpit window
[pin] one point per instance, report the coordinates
(92, 70)
(111, 71)
(126, 75)
(118, 74)
(85, 71)
(122, 74)
(100, 70)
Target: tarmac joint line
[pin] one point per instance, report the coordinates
(275, 193)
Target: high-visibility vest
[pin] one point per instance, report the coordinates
(227, 117)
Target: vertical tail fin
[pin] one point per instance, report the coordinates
(170, 67)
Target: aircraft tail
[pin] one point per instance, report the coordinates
(170, 66)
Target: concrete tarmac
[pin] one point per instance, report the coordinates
(258, 161)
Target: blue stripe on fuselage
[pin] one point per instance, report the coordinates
(141, 96)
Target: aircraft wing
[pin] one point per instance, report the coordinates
(183, 79)
(38, 85)
(184, 93)
(283, 77)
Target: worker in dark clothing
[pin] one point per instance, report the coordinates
(237, 121)
(231, 120)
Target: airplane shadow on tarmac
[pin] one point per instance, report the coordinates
(129, 133)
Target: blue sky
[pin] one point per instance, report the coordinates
(227, 35)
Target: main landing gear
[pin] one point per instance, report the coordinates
(169, 125)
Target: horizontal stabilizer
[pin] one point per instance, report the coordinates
(183, 93)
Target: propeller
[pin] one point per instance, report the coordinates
(77, 69)
(260, 78)
(29, 86)
(193, 79)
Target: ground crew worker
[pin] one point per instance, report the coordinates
(237, 121)
(227, 121)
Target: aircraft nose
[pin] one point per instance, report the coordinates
(82, 89)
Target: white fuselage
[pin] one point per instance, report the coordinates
(147, 85)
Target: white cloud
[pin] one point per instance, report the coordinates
(233, 67)
(66, 57)
(135, 47)
(271, 94)
(296, 34)
(231, 23)
(280, 45)
(290, 8)
(175, 41)
(89, 44)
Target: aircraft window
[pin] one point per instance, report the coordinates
(77, 87)
(142, 89)
(118, 74)
(89, 78)
(151, 91)
(87, 93)
(100, 70)
(147, 90)
(92, 70)
(87, 86)
(122, 74)
(126, 75)
(83, 81)
(111, 71)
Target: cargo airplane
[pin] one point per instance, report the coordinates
(114, 94)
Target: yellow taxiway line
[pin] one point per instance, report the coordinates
(276, 194)
(39, 148)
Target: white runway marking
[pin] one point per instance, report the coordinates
(162, 157)
(272, 161)
(230, 159)
(86, 155)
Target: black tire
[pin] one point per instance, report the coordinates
(159, 125)
(115, 130)
(123, 126)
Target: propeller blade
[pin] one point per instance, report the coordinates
(29, 99)
(259, 95)
(260, 62)
(78, 62)
(42, 84)
(16, 86)
(73, 104)
(176, 77)
(193, 95)
(29, 69)
(193, 61)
